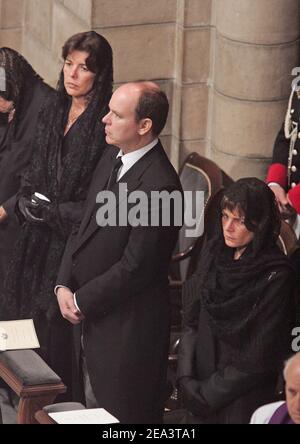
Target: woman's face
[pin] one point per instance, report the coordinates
(78, 79)
(6, 106)
(236, 234)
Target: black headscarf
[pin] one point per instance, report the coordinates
(33, 270)
(18, 78)
(234, 292)
(87, 142)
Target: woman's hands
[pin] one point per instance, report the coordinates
(3, 215)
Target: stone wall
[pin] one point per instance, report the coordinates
(11, 23)
(193, 73)
(167, 41)
(143, 37)
(224, 64)
(48, 23)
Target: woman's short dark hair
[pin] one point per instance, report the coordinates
(253, 199)
(98, 48)
(153, 104)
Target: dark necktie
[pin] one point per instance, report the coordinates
(114, 173)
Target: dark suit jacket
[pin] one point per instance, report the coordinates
(120, 276)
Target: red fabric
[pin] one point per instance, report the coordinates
(294, 197)
(277, 173)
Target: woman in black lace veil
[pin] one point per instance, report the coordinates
(69, 142)
(22, 94)
(238, 312)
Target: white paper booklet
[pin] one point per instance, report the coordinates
(18, 335)
(86, 416)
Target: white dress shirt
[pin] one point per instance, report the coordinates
(131, 158)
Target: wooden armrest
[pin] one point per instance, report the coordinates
(175, 285)
(184, 255)
(173, 359)
(32, 380)
(43, 418)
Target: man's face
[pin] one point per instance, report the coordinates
(121, 127)
(292, 391)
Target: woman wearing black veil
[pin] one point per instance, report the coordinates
(69, 142)
(22, 94)
(238, 312)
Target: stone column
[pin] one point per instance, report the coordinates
(192, 71)
(256, 47)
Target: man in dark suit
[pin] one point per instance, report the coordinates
(114, 278)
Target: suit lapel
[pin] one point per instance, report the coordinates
(132, 178)
(98, 184)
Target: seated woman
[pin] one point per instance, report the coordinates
(238, 312)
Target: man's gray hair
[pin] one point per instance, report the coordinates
(288, 363)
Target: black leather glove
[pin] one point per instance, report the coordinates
(47, 212)
(29, 210)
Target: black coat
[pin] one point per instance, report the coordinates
(15, 154)
(230, 396)
(120, 276)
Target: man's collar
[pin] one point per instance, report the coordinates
(140, 151)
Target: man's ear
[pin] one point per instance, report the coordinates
(145, 126)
